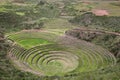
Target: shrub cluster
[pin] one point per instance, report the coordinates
(89, 19)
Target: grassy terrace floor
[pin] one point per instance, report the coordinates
(28, 43)
(29, 39)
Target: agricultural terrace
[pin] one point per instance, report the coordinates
(49, 53)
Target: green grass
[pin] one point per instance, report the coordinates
(20, 13)
(53, 68)
(57, 23)
(30, 42)
(31, 39)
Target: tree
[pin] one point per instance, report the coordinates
(3, 44)
(1, 33)
(38, 25)
(41, 3)
(1, 39)
(19, 1)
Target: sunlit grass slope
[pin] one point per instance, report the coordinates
(33, 38)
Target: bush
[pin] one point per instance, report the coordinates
(88, 19)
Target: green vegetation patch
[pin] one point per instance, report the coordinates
(30, 42)
(29, 39)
